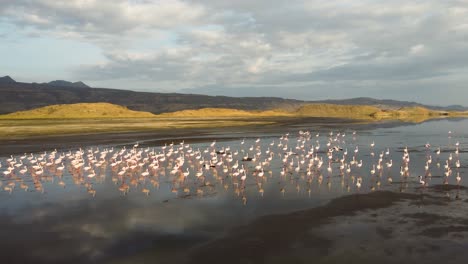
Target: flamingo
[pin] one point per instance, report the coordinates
(389, 164)
(91, 174)
(24, 170)
(421, 181)
(145, 173)
(261, 173)
(8, 189)
(358, 183)
(145, 191)
(186, 173)
(61, 167)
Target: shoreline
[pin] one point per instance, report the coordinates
(154, 136)
(159, 136)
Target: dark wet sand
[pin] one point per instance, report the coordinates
(286, 238)
(300, 237)
(377, 227)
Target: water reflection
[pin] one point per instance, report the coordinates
(101, 202)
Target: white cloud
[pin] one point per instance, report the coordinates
(106, 17)
(205, 43)
(417, 49)
(256, 66)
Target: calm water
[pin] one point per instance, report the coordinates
(110, 215)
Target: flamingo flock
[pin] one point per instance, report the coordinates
(302, 162)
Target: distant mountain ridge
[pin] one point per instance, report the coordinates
(18, 96)
(392, 104)
(370, 101)
(7, 79)
(62, 83)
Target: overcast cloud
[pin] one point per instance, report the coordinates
(295, 49)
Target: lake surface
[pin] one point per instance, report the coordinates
(132, 203)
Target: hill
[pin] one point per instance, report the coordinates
(62, 83)
(306, 110)
(111, 112)
(6, 80)
(78, 111)
(335, 110)
(360, 112)
(224, 112)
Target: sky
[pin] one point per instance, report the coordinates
(304, 49)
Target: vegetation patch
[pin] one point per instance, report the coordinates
(78, 111)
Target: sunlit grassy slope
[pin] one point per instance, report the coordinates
(224, 112)
(311, 110)
(361, 112)
(78, 111)
(106, 111)
(95, 118)
(341, 111)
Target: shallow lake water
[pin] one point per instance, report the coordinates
(136, 203)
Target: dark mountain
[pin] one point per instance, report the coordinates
(62, 83)
(392, 104)
(457, 108)
(7, 79)
(372, 101)
(24, 96)
(17, 96)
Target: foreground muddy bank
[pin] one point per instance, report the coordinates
(383, 227)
